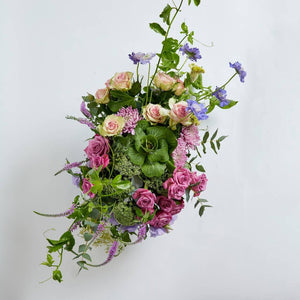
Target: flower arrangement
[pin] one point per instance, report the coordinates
(140, 161)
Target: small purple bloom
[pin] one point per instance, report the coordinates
(72, 165)
(111, 253)
(192, 53)
(139, 57)
(156, 231)
(76, 180)
(86, 122)
(197, 109)
(221, 95)
(238, 68)
(74, 226)
(84, 110)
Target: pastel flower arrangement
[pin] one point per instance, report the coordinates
(141, 162)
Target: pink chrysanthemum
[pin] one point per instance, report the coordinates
(179, 154)
(131, 117)
(190, 136)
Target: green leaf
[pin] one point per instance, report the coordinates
(191, 37)
(169, 60)
(161, 154)
(165, 15)
(135, 89)
(120, 99)
(200, 168)
(157, 28)
(189, 2)
(154, 169)
(218, 144)
(187, 195)
(122, 185)
(86, 256)
(83, 248)
(223, 137)
(212, 145)
(197, 2)
(197, 202)
(229, 105)
(184, 28)
(202, 200)
(198, 83)
(205, 137)
(201, 210)
(88, 98)
(56, 275)
(170, 44)
(87, 236)
(136, 158)
(214, 135)
(81, 264)
(125, 237)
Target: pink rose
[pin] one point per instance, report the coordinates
(102, 96)
(178, 113)
(161, 219)
(163, 81)
(97, 147)
(155, 113)
(112, 125)
(145, 198)
(121, 81)
(182, 177)
(179, 87)
(98, 161)
(177, 207)
(176, 191)
(165, 203)
(167, 183)
(86, 186)
(199, 182)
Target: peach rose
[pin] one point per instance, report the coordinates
(112, 125)
(179, 87)
(164, 81)
(102, 96)
(155, 113)
(121, 81)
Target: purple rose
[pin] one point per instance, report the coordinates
(177, 207)
(182, 177)
(165, 203)
(176, 191)
(97, 147)
(161, 219)
(145, 199)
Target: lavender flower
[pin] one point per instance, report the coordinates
(221, 95)
(63, 214)
(84, 110)
(72, 165)
(111, 253)
(197, 109)
(238, 68)
(86, 122)
(139, 57)
(74, 226)
(76, 180)
(131, 117)
(192, 53)
(141, 233)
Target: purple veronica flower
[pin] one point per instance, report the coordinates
(111, 253)
(192, 53)
(74, 226)
(84, 110)
(221, 95)
(139, 57)
(238, 68)
(197, 109)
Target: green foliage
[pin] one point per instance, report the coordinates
(214, 144)
(119, 99)
(165, 15)
(56, 275)
(157, 28)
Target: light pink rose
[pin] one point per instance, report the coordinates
(86, 186)
(145, 198)
(98, 161)
(178, 87)
(165, 203)
(178, 112)
(112, 125)
(182, 177)
(155, 113)
(121, 81)
(102, 96)
(177, 207)
(161, 219)
(164, 81)
(199, 182)
(97, 146)
(176, 191)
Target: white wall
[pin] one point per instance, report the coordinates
(247, 246)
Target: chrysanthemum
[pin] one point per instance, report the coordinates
(179, 154)
(131, 117)
(190, 136)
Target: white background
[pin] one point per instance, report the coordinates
(247, 246)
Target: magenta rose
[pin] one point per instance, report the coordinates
(145, 199)
(161, 219)
(97, 147)
(98, 161)
(167, 183)
(165, 203)
(176, 191)
(182, 177)
(86, 186)
(199, 182)
(177, 207)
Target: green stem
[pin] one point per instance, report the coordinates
(182, 40)
(113, 162)
(147, 95)
(137, 71)
(183, 64)
(166, 36)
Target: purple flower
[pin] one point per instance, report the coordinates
(221, 95)
(111, 253)
(197, 109)
(238, 68)
(84, 110)
(131, 117)
(86, 122)
(74, 226)
(192, 53)
(76, 180)
(139, 57)
(156, 231)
